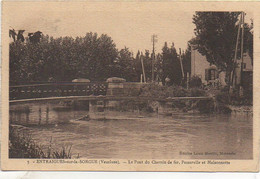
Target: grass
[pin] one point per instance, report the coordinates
(21, 145)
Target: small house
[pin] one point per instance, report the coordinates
(208, 73)
(247, 73)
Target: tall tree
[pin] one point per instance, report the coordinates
(63, 59)
(147, 59)
(158, 68)
(216, 38)
(248, 42)
(12, 34)
(171, 67)
(186, 56)
(138, 65)
(124, 65)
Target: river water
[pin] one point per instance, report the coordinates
(146, 136)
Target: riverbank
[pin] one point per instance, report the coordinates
(190, 106)
(22, 145)
(222, 101)
(243, 108)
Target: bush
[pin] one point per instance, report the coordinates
(157, 91)
(223, 97)
(195, 82)
(21, 145)
(205, 106)
(197, 92)
(234, 98)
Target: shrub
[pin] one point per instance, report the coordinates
(195, 82)
(205, 106)
(196, 92)
(234, 98)
(157, 91)
(223, 97)
(21, 145)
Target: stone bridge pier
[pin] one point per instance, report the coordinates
(104, 109)
(99, 109)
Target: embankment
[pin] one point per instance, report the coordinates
(22, 145)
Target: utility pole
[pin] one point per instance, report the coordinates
(154, 40)
(242, 47)
(182, 71)
(233, 80)
(142, 62)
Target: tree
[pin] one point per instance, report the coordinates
(20, 35)
(216, 38)
(147, 59)
(158, 72)
(12, 34)
(63, 59)
(171, 67)
(248, 42)
(35, 37)
(98, 55)
(138, 65)
(124, 66)
(186, 61)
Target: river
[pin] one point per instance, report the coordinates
(151, 136)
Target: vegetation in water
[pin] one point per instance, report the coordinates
(21, 145)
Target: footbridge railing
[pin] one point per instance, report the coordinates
(57, 90)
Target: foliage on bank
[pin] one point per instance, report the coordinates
(158, 91)
(218, 104)
(224, 97)
(21, 145)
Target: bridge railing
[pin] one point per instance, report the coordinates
(57, 90)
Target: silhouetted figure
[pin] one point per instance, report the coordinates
(167, 81)
(35, 37)
(12, 34)
(20, 35)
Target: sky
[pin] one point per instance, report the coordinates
(130, 25)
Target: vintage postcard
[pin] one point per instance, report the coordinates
(130, 86)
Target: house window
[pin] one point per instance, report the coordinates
(212, 74)
(244, 65)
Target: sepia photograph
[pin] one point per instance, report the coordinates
(100, 83)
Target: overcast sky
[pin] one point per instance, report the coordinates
(128, 25)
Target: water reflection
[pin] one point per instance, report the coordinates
(154, 137)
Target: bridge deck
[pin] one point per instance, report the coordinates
(106, 98)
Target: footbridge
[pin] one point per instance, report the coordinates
(101, 97)
(79, 91)
(62, 89)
